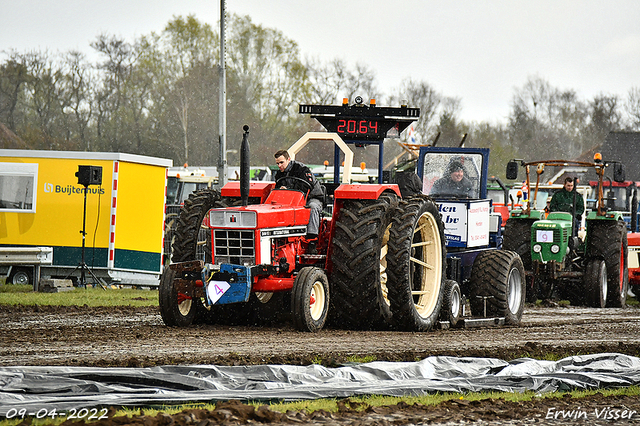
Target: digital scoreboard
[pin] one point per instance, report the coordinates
(360, 122)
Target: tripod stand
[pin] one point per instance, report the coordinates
(82, 265)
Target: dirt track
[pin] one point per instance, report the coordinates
(136, 337)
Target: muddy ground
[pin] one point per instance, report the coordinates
(136, 337)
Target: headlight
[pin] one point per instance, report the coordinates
(555, 248)
(537, 248)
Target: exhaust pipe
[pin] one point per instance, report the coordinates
(245, 168)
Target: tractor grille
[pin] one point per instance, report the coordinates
(234, 246)
(558, 235)
(565, 235)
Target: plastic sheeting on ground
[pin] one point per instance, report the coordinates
(66, 388)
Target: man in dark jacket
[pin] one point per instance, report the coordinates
(453, 184)
(562, 201)
(295, 169)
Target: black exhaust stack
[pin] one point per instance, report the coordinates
(245, 168)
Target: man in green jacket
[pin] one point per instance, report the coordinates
(562, 201)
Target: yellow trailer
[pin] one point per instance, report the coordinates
(42, 205)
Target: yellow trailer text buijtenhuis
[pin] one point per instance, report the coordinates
(41, 204)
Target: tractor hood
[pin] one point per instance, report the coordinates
(283, 208)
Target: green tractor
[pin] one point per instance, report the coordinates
(587, 268)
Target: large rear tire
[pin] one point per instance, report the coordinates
(358, 256)
(415, 265)
(595, 284)
(607, 240)
(517, 237)
(192, 242)
(498, 277)
(310, 299)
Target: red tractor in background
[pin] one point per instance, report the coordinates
(240, 254)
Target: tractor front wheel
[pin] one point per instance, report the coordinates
(310, 299)
(498, 286)
(192, 241)
(415, 265)
(176, 309)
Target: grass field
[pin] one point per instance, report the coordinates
(96, 296)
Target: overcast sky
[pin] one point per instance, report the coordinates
(478, 51)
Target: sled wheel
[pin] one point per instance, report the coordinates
(310, 299)
(497, 276)
(192, 241)
(451, 303)
(608, 240)
(359, 261)
(595, 283)
(415, 265)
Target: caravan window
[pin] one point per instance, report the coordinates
(18, 187)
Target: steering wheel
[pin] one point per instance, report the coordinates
(305, 182)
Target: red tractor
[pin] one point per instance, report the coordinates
(241, 255)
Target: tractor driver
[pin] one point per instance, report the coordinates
(454, 183)
(562, 201)
(288, 167)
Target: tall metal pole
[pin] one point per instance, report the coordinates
(222, 136)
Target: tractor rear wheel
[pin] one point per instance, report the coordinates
(595, 284)
(358, 256)
(497, 279)
(451, 303)
(415, 265)
(192, 242)
(310, 299)
(517, 237)
(608, 240)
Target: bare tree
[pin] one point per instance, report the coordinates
(13, 76)
(77, 90)
(420, 94)
(632, 108)
(117, 68)
(334, 81)
(604, 115)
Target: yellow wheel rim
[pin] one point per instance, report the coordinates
(426, 264)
